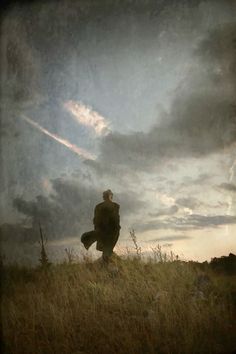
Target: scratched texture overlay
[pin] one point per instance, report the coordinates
(135, 96)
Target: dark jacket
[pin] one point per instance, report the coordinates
(106, 217)
(106, 226)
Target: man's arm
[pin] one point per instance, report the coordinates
(96, 218)
(117, 217)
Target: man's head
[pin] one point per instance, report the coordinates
(108, 195)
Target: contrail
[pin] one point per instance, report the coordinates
(81, 152)
(86, 116)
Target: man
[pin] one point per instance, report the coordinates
(106, 226)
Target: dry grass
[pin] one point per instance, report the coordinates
(128, 307)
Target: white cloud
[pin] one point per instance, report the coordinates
(86, 116)
(165, 199)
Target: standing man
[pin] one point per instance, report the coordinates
(106, 226)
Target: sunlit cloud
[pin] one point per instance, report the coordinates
(46, 184)
(77, 150)
(188, 211)
(165, 199)
(86, 116)
(230, 198)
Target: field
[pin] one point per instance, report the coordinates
(129, 306)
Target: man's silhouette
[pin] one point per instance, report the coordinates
(106, 226)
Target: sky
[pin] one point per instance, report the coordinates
(135, 96)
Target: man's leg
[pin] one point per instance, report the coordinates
(106, 256)
(109, 245)
(107, 253)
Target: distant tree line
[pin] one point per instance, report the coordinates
(226, 264)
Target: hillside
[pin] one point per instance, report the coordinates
(129, 307)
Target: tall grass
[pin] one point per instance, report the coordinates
(129, 306)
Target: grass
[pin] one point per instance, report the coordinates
(129, 306)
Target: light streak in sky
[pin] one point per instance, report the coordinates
(86, 116)
(77, 150)
(230, 198)
(231, 177)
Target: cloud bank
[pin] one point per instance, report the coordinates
(68, 210)
(202, 117)
(189, 222)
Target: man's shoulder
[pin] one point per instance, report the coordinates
(100, 205)
(116, 205)
(104, 205)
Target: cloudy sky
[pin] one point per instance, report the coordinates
(135, 96)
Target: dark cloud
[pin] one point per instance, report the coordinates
(112, 170)
(20, 64)
(12, 233)
(42, 44)
(201, 221)
(201, 179)
(64, 213)
(228, 187)
(189, 202)
(218, 51)
(170, 238)
(166, 211)
(201, 124)
(189, 222)
(202, 119)
(68, 211)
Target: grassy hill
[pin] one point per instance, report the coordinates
(129, 306)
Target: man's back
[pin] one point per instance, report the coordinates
(106, 216)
